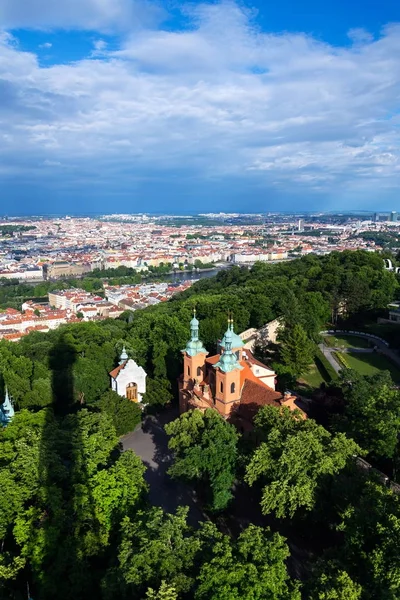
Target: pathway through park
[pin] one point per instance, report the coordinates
(150, 442)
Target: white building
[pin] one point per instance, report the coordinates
(128, 379)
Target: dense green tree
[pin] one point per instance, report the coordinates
(372, 412)
(205, 449)
(65, 488)
(252, 568)
(166, 592)
(297, 350)
(294, 459)
(158, 392)
(164, 549)
(124, 413)
(371, 529)
(333, 583)
(204, 563)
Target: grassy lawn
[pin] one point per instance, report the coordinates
(313, 378)
(346, 341)
(369, 364)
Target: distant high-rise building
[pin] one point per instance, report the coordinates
(376, 217)
(300, 225)
(393, 216)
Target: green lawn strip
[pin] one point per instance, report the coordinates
(313, 378)
(368, 364)
(346, 341)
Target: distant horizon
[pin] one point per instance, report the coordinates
(183, 214)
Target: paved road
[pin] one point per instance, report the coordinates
(150, 442)
(327, 352)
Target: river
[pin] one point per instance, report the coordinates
(180, 276)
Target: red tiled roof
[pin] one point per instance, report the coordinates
(255, 395)
(211, 360)
(115, 371)
(256, 392)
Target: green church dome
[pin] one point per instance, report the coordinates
(235, 340)
(194, 345)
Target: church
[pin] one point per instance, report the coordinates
(128, 379)
(232, 382)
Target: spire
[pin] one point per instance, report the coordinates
(194, 327)
(194, 346)
(124, 356)
(6, 409)
(235, 340)
(228, 361)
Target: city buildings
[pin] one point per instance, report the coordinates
(57, 248)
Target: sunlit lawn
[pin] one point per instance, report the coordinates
(346, 341)
(313, 378)
(371, 363)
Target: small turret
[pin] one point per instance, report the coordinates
(6, 410)
(124, 356)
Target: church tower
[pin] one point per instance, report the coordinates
(194, 360)
(227, 380)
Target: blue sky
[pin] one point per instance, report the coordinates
(131, 106)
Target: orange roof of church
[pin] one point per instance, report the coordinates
(114, 372)
(211, 360)
(256, 392)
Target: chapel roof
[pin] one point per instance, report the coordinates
(114, 372)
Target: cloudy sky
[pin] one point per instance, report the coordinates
(163, 106)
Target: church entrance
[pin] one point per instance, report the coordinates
(131, 392)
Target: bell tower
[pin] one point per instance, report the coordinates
(227, 384)
(194, 360)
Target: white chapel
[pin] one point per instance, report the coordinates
(128, 379)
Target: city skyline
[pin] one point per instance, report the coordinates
(201, 107)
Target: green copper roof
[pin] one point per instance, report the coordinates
(228, 361)
(236, 340)
(194, 345)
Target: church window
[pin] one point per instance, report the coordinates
(131, 392)
(232, 388)
(221, 387)
(188, 371)
(198, 371)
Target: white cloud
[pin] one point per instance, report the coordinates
(45, 45)
(218, 100)
(104, 15)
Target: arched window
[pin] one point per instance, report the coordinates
(188, 371)
(131, 392)
(221, 387)
(199, 371)
(232, 388)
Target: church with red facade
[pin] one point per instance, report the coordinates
(232, 382)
